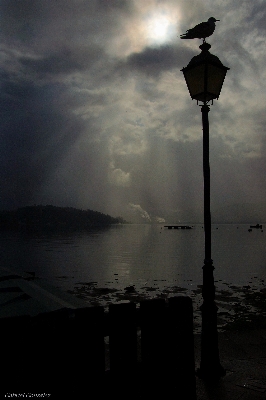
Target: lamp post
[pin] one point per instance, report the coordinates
(204, 77)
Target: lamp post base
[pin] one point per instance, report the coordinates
(210, 367)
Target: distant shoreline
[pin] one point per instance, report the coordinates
(52, 218)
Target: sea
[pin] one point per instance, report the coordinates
(132, 262)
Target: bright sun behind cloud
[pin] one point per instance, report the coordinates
(160, 28)
(151, 26)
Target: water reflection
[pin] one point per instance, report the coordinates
(99, 265)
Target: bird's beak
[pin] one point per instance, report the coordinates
(217, 20)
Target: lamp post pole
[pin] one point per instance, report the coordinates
(206, 176)
(210, 367)
(204, 77)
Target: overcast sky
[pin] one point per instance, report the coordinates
(95, 113)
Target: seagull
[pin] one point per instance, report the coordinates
(201, 31)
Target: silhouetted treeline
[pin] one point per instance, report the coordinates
(54, 218)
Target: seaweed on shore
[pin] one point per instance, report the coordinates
(239, 307)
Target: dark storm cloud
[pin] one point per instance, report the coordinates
(38, 123)
(64, 61)
(34, 135)
(154, 60)
(95, 112)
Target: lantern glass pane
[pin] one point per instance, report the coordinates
(195, 80)
(216, 77)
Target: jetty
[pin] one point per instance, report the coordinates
(178, 226)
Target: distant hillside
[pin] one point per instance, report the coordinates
(54, 218)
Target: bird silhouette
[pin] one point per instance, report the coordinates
(201, 31)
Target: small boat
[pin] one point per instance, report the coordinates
(258, 226)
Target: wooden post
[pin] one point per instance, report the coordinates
(16, 354)
(53, 358)
(152, 321)
(121, 381)
(153, 348)
(88, 346)
(181, 347)
(123, 336)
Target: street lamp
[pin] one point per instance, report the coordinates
(204, 77)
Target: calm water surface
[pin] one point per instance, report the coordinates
(98, 266)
